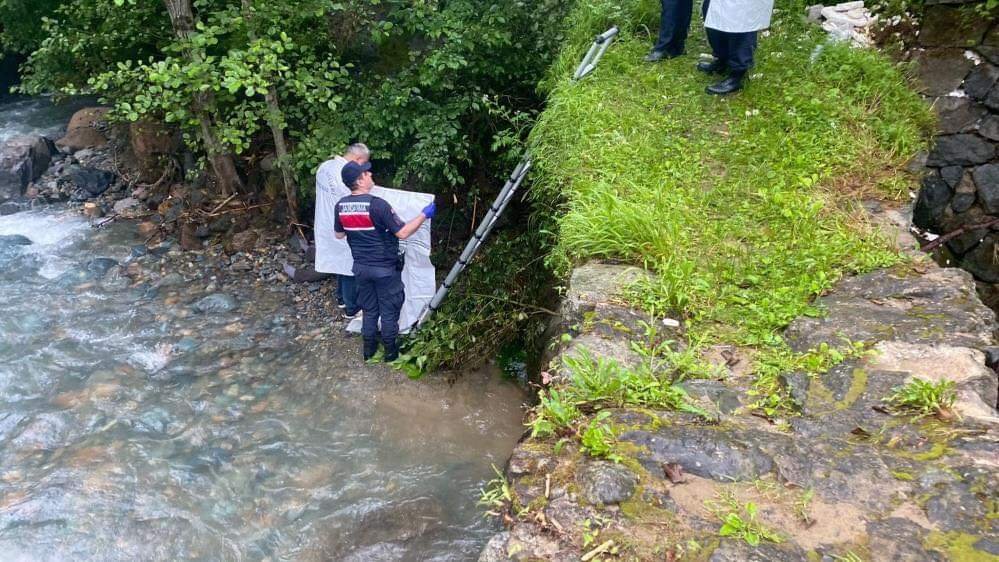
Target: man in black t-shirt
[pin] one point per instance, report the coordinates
(373, 231)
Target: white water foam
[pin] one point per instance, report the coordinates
(50, 233)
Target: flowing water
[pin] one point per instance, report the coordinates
(133, 427)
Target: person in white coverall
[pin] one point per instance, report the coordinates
(329, 190)
(732, 26)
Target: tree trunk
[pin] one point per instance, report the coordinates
(182, 19)
(274, 121)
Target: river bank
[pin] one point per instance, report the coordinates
(162, 404)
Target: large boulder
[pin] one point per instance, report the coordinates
(22, 160)
(83, 131)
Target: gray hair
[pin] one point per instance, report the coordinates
(357, 149)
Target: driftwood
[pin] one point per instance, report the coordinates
(944, 238)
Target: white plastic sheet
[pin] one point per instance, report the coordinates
(333, 255)
(739, 16)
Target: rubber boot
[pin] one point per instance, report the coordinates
(370, 348)
(391, 351)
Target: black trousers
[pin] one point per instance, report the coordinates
(380, 294)
(734, 49)
(674, 24)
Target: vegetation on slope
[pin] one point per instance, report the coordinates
(745, 208)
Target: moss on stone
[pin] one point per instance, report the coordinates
(958, 547)
(903, 476)
(819, 395)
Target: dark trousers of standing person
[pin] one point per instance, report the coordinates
(674, 24)
(380, 294)
(734, 50)
(346, 293)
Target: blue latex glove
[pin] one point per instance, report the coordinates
(430, 210)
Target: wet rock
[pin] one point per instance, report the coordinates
(90, 182)
(526, 461)
(738, 551)
(45, 431)
(939, 306)
(980, 81)
(899, 539)
(722, 397)
(189, 239)
(171, 280)
(215, 303)
(83, 131)
(147, 228)
(957, 115)
(377, 522)
(22, 160)
(126, 205)
(304, 274)
(495, 550)
(952, 175)
(703, 451)
(9, 208)
(941, 71)
(960, 150)
(955, 507)
(242, 242)
(933, 199)
(8, 240)
(981, 260)
(989, 127)
(99, 267)
(987, 182)
(604, 483)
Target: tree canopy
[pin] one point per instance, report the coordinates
(427, 83)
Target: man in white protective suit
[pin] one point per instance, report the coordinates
(732, 27)
(329, 190)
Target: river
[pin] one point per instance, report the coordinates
(135, 428)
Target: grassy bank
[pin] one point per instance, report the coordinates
(746, 207)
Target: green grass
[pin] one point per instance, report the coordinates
(746, 207)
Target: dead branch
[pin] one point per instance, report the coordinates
(943, 239)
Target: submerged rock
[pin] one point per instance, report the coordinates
(8, 240)
(216, 302)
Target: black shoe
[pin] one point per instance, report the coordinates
(731, 84)
(714, 67)
(656, 56)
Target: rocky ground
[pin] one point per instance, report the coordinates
(847, 479)
(224, 245)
